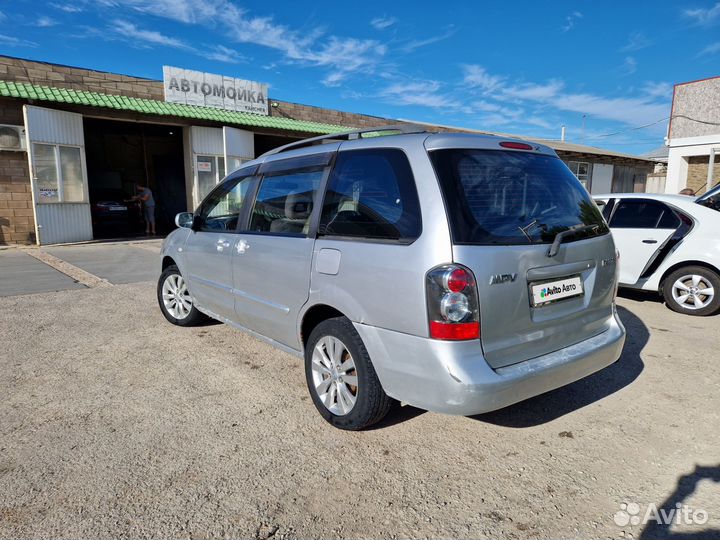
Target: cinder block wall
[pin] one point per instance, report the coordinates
(46, 74)
(698, 170)
(16, 210)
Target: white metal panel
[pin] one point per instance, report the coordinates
(601, 178)
(239, 146)
(64, 222)
(54, 127)
(239, 142)
(57, 223)
(207, 140)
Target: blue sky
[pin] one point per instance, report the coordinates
(522, 67)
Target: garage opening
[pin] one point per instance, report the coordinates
(122, 155)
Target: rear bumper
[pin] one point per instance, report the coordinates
(454, 378)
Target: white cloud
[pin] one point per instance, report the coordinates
(129, 32)
(629, 65)
(422, 93)
(635, 42)
(713, 48)
(2, 16)
(132, 32)
(649, 105)
(534, 92)
(418, 43)
(340, 55)
(570, 21)
(45, 22)
(67, 8)
(381, 23)
(220, 53)
(702, 16)
(11, 41)
(478, 77)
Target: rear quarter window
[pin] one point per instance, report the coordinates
(371, 194)
(509, 197)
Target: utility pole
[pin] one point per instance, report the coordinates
(582, 133)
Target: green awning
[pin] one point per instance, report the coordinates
(150, 106)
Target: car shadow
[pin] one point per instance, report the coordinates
(657, 529)
(640, 296)
(556, 403)
(397, 415)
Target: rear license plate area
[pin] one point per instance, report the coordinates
(556, 290)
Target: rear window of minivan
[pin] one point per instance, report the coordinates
(511, 197)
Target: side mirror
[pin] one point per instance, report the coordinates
(184, 219)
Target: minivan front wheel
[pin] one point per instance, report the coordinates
(175, 301)
(341, 379)
(693, 290)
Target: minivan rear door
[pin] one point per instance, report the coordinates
(505, 208)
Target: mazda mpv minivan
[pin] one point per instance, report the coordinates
(456, 273)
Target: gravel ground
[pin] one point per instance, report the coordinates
(114, 423)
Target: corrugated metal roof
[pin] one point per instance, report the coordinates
(150, 106)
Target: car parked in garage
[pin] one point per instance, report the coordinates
(669, 244)
(114, 213)
(457, 273)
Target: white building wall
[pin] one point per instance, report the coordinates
(680, 151)
(601, 178)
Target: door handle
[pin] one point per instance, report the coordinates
(649, 241)
(222, 244)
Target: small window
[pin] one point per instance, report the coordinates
(581, 169)
(210, 172)
(58, 173)
(220, 211)
(371, 194)
(641, 214)
(284, 202)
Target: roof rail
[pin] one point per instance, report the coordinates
(347, 136)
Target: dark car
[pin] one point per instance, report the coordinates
(114, 214)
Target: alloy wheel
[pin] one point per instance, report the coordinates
(334, 375)
(176, 297)
(693, 291)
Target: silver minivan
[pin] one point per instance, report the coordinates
(457, 273)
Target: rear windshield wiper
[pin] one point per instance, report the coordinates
(559, 237)
(530, 226)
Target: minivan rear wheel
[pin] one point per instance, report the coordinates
(692, 290)
(176, 303)
(341, 379)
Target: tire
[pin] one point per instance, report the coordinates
(683, 290)
(180, 308)
(349, 406)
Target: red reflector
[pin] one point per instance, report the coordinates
(516, 145)
(458, 280)
(454, 331)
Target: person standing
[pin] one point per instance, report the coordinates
(145, 195)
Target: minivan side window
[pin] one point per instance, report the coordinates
(643, 214)
(220, 211)
(286, 196)
(371, 194)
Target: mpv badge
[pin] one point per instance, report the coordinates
(496, 279)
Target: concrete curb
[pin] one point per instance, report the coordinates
(78, 274)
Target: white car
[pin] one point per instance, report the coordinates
(669, 244)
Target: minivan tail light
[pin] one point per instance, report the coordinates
(516, 145)
(452, 303)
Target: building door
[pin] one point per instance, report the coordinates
(58, 175)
